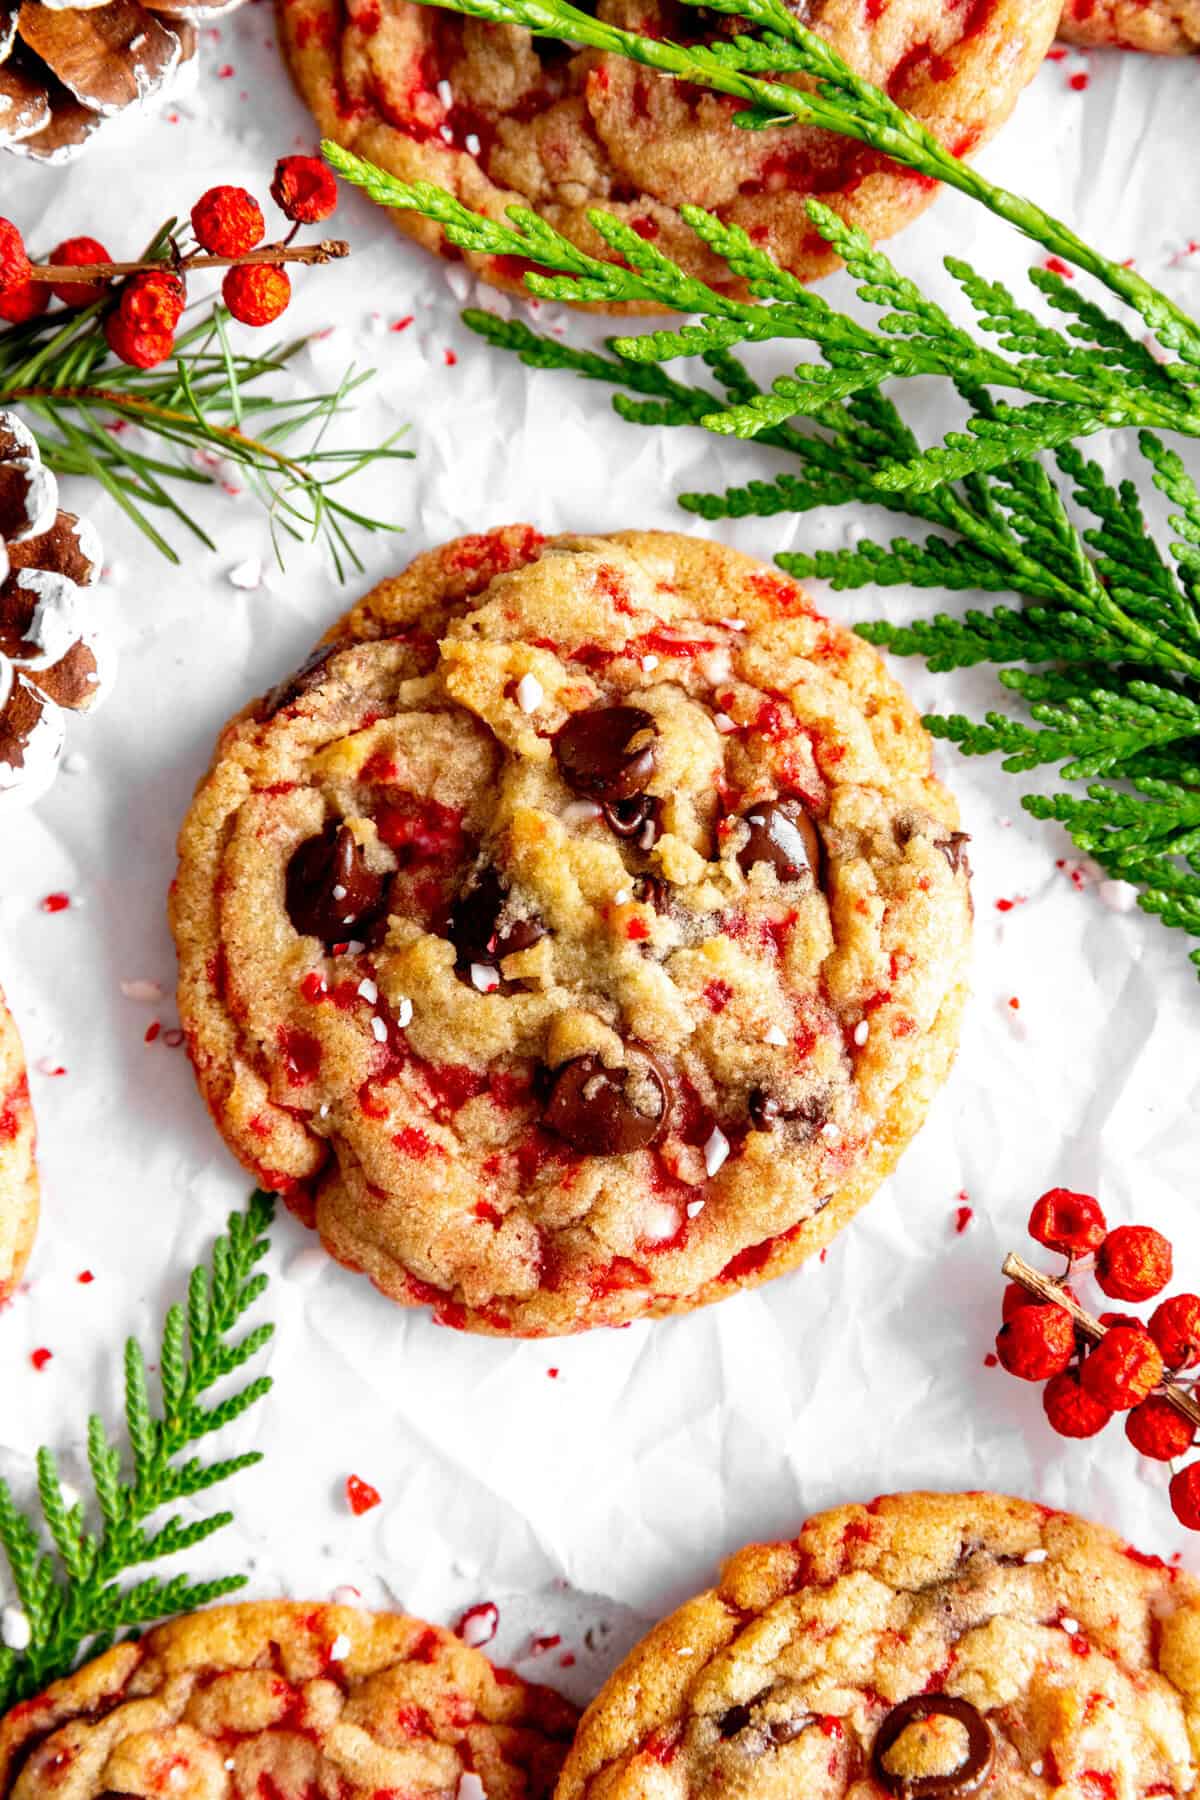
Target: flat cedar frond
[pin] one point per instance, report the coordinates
(66, 1568)
(1110, 631)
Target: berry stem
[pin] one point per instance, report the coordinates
(1043, 1288)
(327, 251)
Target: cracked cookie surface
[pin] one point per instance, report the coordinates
(501, 118)
(580, 935)
(288, 1701)
(1168, 27)
(18, 1170)
(922, 1645)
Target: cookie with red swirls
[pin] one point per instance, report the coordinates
(287, 1700)
(499, 117)
(927, 1647)
(580, 935)
(1168, 27)
(18, 1171)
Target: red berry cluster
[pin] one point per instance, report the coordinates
(147, 305)
(1118, 1364)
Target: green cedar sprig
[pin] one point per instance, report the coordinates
(58, 372)
(71, 1592)
(1115, 618)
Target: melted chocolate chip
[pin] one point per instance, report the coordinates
(952, 848)
(330, 892)
(629, 818)
(766, 1112)
(308, 675)
(733, 1721)
(607, 752)
(783, 835)
(482, 926)
(652, 891)
(782, 1731)
(610, 1112)
(971, 1773)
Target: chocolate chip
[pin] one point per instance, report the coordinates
(331, 893)
(629, 818)
(781, 834)
(482, 926)
(652, 891)
(607, 752)
(952, 848)
(735, 1720)
(308, 675)
(971, 1773)
(765, 1111)
(783, 1731)
(611, 1112)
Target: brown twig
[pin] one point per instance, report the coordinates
(327, 251)
(1043, 1288)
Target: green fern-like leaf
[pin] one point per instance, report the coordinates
(72, 1592)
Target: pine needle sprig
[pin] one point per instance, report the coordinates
(69, 1588)
(1106, 618)
(211, 411)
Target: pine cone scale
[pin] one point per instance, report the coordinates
(24, 104)
(52, 659)
(107, 57)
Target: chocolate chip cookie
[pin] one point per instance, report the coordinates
(579, 935)
(1170, 27)
(499, 117)
(18, 1171)
(283, 1701)
(924, 1645)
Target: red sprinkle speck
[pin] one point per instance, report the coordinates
(553, 1374)
(56, 903)
(963, 1215)
(1079, 82)
(225, 72)
(401, 324)
(1057, 266)
(39, 1358)
(361, 1495)
(451, 359)
(85, 1278)
(991, 1360)
(152, 1032)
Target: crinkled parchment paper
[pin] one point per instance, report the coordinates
(583, 1485)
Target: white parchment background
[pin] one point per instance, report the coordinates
(585, 1502)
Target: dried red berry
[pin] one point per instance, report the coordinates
(256, 293)
(304, 188)
(1157, 1430)
(1072, 1224)
(1175, 1328)
(15, 265)
(29, 301)
(1037, 1342)
(75, 253)
(152, 302)
(140, 348)
(361, 1495)
(1134, 1263)
(1185, 1496)
(1016, 1297)
(1071, 1411)
(1123, 1368)
(228, 221)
